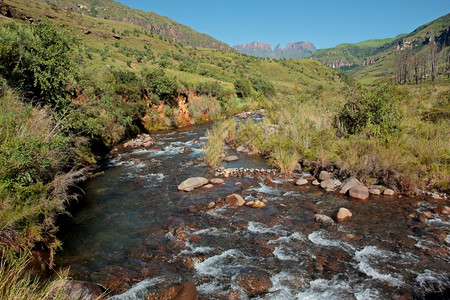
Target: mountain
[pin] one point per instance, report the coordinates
(294, 50)
(418, 55)
(113, 10)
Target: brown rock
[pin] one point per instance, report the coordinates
(185, 291)
(327, 184)
(192, 183)
(258, 204)
(388, 192)
(323, 219)
(359, 192)
(255, 283)
(211, 205)
(76, 289)
(309, 206)
(343, 215)
(324, 175)
(442, 210)
(217, 181)
(235, 200)
(301, 181)
(348, 184)
(249, 203)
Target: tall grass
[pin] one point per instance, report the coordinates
(17, 283)
(285, 160)
(221, 132)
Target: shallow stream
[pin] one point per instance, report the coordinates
(135, 231)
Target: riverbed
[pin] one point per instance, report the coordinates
(135, 232)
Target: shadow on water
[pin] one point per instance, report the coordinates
(135, 229)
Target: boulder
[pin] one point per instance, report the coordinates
(301, 181)
(359, 192)
(388, 192)
(83, 290)
(323, 219)
(348, 184)
(327, 184)
(343, 215)
(258, 204)
(192, 183)
(185, 291)
(375, 191)
(230, 158)
(235, 200)
(217, 181)
(254, 284)
(324, 175)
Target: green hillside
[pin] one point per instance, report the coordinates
(113, 10)
(373, 60)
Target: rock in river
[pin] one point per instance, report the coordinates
(324, 175)
(235, 200)
(359, 192)
(254, 284)
(231, 158)
(323, 219)
(327, 184)
(301, 181)
(185, 291)
(348, 184)
(343, 215)
(192, 183)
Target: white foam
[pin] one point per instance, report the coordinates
(326, 289)
(317, 237)
(371, 255)
(154, 176)
(256, 227)
(228, 262)
(284, 253)
(266, 189)
(212, 231)
(432, 280)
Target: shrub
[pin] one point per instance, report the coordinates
(156, 82)
(126, 84)
(374, 111)
(261, 85)
(38, 59)
(243, 88)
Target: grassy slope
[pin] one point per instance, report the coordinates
(384, 50)
(113, 10)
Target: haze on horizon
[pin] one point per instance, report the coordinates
(325, 23)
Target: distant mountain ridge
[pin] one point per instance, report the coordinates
(294, 50)
(113, 10)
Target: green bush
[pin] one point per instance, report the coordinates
(243, 88)
(261, 85)
(374, 111)
(156, 82)
(38, 60)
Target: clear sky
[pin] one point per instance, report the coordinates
(325, 23)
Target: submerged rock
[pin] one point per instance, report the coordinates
(192, 183)
(359, 192)
(323, 219)
(185, 291)
(235, 200)
(217, 181)
(230, 158)
(343, 215)
(83, 290)
(254, 283)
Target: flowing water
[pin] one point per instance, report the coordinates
(135, 231)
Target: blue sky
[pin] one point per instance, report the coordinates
(325, 23)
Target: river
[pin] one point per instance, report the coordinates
(135, 231)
